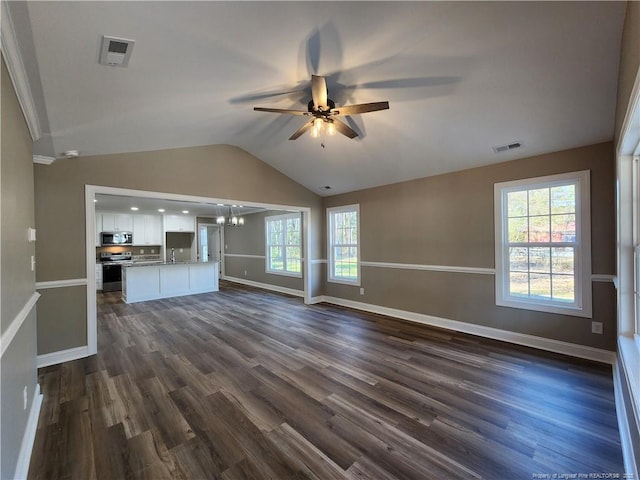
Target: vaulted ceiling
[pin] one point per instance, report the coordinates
(461, 78)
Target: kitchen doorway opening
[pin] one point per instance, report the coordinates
(91, 191)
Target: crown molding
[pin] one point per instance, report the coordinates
(42, 160)
(17, 72)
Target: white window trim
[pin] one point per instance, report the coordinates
(330, 259)
(583, 304)
(267, 265)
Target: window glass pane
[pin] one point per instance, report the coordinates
(563, 199)
(539, 229)
(518, 259)
(276, 260)
(519, 284)
(518, 230)
(517, 204)
(540, 285)
(562, 260)
(563, 228)
(539, 201)
(293, 259)
(563, 288)
(539, 260)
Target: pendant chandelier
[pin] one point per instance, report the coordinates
(232, 220)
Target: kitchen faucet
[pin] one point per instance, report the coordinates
(173, 255)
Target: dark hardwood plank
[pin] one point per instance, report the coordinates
(248, 384)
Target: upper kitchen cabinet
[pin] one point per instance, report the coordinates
(179, 223)
(117, 222)
(147, 230)
(98, 229)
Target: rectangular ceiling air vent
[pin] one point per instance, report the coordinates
(507, 147)
(115, 52)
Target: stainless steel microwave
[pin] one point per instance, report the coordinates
(116, 238)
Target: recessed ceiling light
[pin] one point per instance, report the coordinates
(234, 206)
(135, 209)
(161, 210)
(185, 211)
(94, 200)
(220, 204)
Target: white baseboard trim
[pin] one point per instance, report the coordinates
(557, 346)
(266, 286)
(26, 448)
(318, 299)
(626, 442)
(62, 356)
(16, 323)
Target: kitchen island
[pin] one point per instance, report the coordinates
(155, 280)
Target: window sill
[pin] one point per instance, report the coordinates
(284, 274)
(542, 307)
(354, 283)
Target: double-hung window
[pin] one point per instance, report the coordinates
(344, 252)
(543, 240)
(284, 244)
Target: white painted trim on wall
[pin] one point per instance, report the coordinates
(18, 73)
(71, 282)
(601, 277)
(431, 268)
(596, 277)
(266, 286)
(62, 356)
(626, 442)
(42, 160)
(14, 327)
(557, 346)
(28, 439)
(242, 255)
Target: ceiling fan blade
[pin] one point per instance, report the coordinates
(301, 130)
(344, 129)
(281, 110)
(360, 108)
(319, 92)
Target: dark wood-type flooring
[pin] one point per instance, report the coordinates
(244, 384)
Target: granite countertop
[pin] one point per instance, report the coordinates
(159, 263)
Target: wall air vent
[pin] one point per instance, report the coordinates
(115, 52)
(507, 147)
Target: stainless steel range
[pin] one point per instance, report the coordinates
(112, 269)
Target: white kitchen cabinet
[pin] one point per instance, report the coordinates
(147, 230)
(179, 223)
(99, 276)
(98, 229)
(117, 222)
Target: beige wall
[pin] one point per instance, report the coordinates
(18, 363)
(250, 240)
(218, 171)
(629, 62)
(449, 220)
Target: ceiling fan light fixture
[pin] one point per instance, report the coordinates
(331, 129)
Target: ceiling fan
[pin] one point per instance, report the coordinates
(324, 112)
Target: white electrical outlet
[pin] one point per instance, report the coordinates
(33, 263)
(153, 250)
(596, 327)
(361, 290)
(245, 273)
(24, 398)
(181, 250)
(141, 251)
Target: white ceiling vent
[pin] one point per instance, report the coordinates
(115, 52)
(507, 147)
